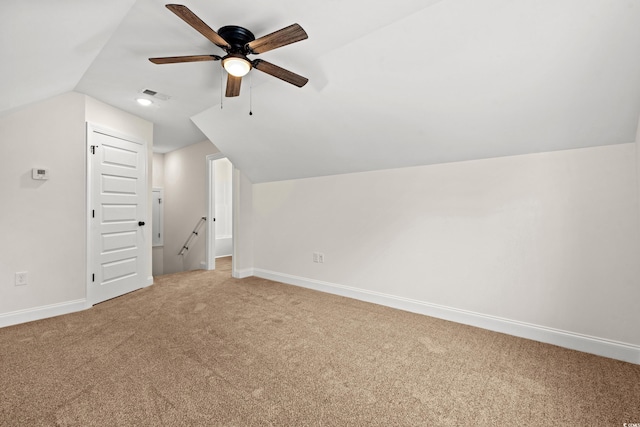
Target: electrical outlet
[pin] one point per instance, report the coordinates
(315, 256)
(320, 257)
(21, 278)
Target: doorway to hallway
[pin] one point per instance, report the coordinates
(219, 233)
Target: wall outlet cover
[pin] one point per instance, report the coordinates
(21, 278)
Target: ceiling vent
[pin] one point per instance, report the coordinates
(156, 95)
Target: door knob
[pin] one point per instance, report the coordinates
(140, 223)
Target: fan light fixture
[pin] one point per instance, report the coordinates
(238, 43)
(237, 66)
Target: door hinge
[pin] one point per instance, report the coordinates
(93, 149)
(159, 201)
(93, 213)
(93, 277)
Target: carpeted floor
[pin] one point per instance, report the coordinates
(200, 348)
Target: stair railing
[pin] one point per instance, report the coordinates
(193, 235)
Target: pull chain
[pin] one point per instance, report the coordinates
(221, 84)
(251, 94)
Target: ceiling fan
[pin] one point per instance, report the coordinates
(238, 42)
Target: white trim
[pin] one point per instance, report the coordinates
(145, 256)
(210, 234)
(161, 216)
(93, 127)
(588, 344)
(244, 273)
(44, 312)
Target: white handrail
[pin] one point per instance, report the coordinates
(193, 235)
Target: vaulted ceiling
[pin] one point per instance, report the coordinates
(392, 84)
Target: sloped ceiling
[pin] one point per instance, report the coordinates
(392, 84)
(48, 45)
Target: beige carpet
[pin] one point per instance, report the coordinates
(201, 348)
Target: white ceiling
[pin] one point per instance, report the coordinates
(392, 84)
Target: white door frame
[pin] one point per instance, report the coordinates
(210, 235)
(160, 224)
(144, 256)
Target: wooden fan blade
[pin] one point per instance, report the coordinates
(281, 73)
(190, 58)
(291, 34)
(190, 18)
(233, 85)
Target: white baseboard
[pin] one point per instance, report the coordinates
(243, 273)
(43, 312)
(599, 346)
(149, 281)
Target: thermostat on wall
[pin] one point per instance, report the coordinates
(38, 173)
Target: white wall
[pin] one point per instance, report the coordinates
(548, 240)
(43, 223)
(637, 146)
(157, 264)
(185, 203)
(158, 170)
(223, 199)
(242, 225)
(223, 207)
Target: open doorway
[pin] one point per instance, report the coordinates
(219, 234)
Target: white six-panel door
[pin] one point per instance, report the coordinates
(117, 217)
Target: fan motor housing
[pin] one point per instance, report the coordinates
(236, 36)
